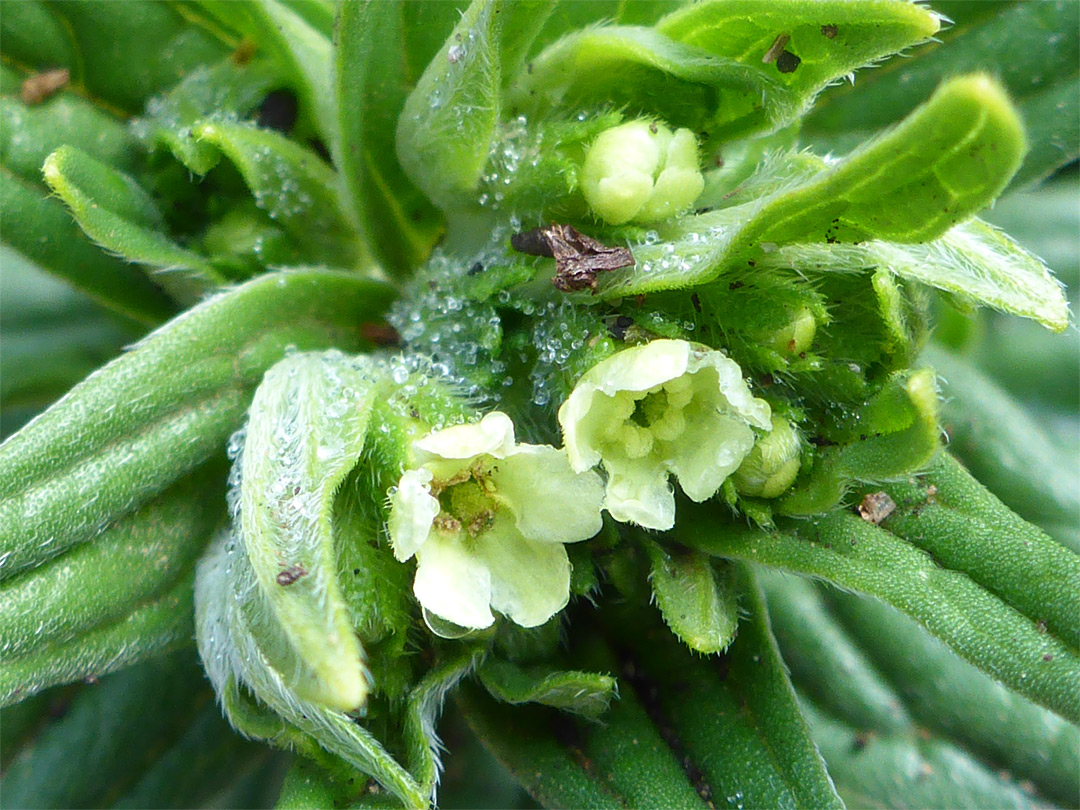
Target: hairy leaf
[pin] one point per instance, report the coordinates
(158, 411)
(586, 693)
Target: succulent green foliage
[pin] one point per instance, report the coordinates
(424, 142)
(449, 119)
(697, 597)
(1024, 44)
(162, 408)
(117, 214)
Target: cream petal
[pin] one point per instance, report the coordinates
(453, 582)
(550, 502)
(493, 435)
(641, 367)
(732, 386)
(710, 449)
(530, 581)
(581, 419)
(638, 492)
(412, 510)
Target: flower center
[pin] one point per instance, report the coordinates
(466, 502)
(650, 417)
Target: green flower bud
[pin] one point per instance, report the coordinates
(641, 172)
(796, 335)
(771, 467)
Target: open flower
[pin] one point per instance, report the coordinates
(486, 519)
(668, 407)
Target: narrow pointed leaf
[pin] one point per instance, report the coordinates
(1031, 47)
(906, 772)
(163, 408)
(1003, 446)
(148, 631)
(950, 697)
(447, 125)
(293, 185)
(967, 529)
(398, 222)
(586, 693)
(95, 584)
(41, 228)
(858, 556)
(698, 602)
(305, 432)
(113, 211)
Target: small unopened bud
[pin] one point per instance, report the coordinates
(772, 465)
(641, 172)
(796, 335)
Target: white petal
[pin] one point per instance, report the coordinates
(710, 449)
(530, 582)
(732, 386)
(638, 492)
(452, 582)
(412, 509)
(580, 426)
(551, 503)
(493, 435)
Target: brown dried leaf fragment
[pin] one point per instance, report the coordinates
(875, 507)
(776, 48)
(35, 89)
(578, 258)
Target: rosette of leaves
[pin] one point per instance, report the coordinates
(302, 219)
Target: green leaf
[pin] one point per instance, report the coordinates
(1003, 446)
(858, 556)
(148, 631)
(117, 214)
(371, 60)
(449, 120)
(133, 562)
(1031, 47)
(305, 432)
(29, 134)
(301, 52)
(160, 410)
(828, 665)
(973, 260)
(114, 731)
(584, 693)
(697, 600)
(219, 92)
(948, 159)
(101, 58)
(41, 229)
(230, 651)
(293, 185)
(1012, 559)
(702, 67)
(954, 699)
(906, 772)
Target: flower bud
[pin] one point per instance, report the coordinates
(641, 172)
(771, 467)
(795, 336)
